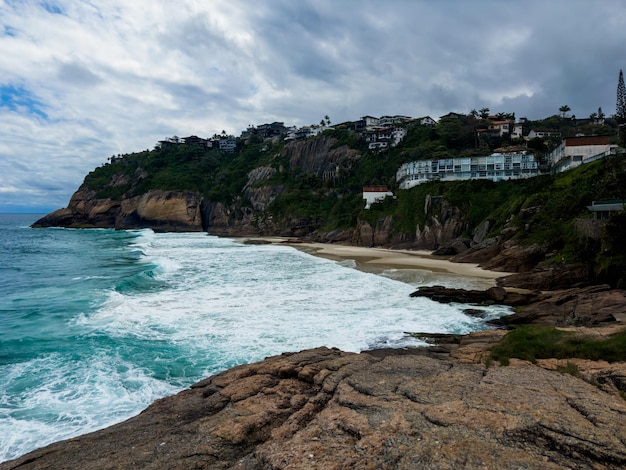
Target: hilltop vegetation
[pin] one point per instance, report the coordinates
(540, 210)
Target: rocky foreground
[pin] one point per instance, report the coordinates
(440, 407)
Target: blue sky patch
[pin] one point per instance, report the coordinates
(51, 7)
(20, 100)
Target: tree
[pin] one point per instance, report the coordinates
(564, 110)
(327, 120)
(473, 113)
(620, 111)
(484, 113)
(600, 113)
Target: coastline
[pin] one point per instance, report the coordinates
(377, 260)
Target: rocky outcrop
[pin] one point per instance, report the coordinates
(590, 306)
(261, 196)
(444, 224)
(493, 295)
(319, 156)
(172, 211)
(169, 211)
(549, 277)
(389, 409)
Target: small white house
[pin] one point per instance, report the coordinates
(372, 194)
(518, 131)
(575, 151)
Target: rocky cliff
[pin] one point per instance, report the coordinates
(312, 189)
(172, 211)
(390, 409)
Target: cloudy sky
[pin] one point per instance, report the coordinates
(81, 80)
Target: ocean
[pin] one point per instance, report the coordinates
(97, 324)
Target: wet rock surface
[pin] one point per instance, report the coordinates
(395, 409)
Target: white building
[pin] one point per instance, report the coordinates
(518, 131)
(228, 145)
(542, 134)
(494, 167)
(575, 151)
(426, 121)
(372, 194)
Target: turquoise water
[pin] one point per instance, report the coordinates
(97, 324)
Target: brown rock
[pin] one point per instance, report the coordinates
(514, 258)
(383, 231)
(493, 295)
(328, 409)
(161, 210)
(169, 211)
(548, 278)
(365, 234)
(589, 306)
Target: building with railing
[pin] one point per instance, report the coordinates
(579, 150)
(494, 167)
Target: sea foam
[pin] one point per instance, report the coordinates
(119, 319)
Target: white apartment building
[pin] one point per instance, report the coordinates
(494, 167)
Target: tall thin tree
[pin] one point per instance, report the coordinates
(620, 111)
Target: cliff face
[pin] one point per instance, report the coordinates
(397, 409)
(172, 211)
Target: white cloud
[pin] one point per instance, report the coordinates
(83, 80)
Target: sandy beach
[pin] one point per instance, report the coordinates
(377, 260)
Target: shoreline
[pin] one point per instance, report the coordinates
(377, 260)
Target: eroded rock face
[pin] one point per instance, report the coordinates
(445, 224)
(319, 157)
(398, 409)
(170, 211)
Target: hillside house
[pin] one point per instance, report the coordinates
(382, 138)
(228, 144)
(542, 134)
(603, 210)
(426, 121)
(496, 129)
(495, 167)
(195, 140)
(518, 131)
(452, 116)
(274, 129)
(373, 194)
(369, 122)
(575, 151)
(387, 121)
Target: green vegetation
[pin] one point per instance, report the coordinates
(531, 342)
(539, 210)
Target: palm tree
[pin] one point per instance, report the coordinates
(564, 110)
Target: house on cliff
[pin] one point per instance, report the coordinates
(579, 150)
(373, 194)
(498, 166)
